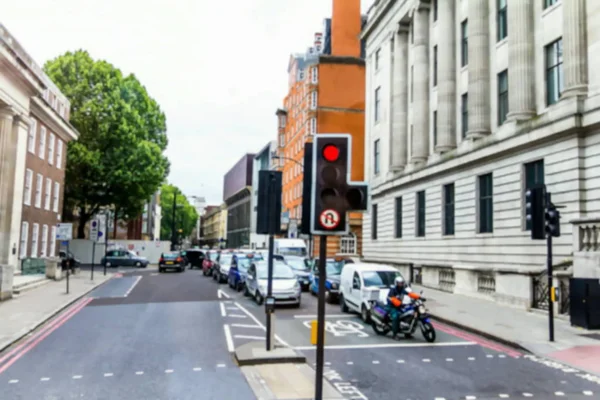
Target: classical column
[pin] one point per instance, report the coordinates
(479, 68)
(399, 136)
(521, 60)
(19, 144)
(446, 92)
(6, 180)
(420, 143)
(575, 60)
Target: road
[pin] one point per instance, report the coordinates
(170, 336)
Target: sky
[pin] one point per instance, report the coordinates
(218, 68)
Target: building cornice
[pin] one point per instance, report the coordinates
(53, 120)
(379, 12)
(325, 59)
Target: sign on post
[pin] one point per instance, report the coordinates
(64, 232)
(94, 230)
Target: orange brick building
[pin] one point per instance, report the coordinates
(326, 95)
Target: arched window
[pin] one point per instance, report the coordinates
(348, 244)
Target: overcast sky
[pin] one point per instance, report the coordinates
(218, 68)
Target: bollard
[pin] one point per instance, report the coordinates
(313, 332)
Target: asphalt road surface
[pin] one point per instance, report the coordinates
(145, 335)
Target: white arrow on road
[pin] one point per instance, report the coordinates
(222, 294)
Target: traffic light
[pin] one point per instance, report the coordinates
(552, 221)
(534, 211)
(307, 180)
(333, 194)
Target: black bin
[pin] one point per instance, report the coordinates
(584, 296)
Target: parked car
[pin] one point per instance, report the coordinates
(301, 267)
(123, 258)
(74, 262)
(171, 260)
(239, 270)
(194, 258)
(333, 268)
(221, 267)
(286, 288)
(209, 261)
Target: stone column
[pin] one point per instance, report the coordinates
(479, 68)
(20, 138)
(6, 180)
(575, 61)
(446, 92)
(420, 143)
(521, 59)
(399, 137)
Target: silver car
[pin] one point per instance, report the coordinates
(286, 288)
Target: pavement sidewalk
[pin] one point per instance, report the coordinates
(519, 328)
(21, 315)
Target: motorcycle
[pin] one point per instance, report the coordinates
(415, 315)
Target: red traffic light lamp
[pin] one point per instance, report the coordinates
(331, 152)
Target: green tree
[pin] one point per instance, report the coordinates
(118, 160)
(186, 216)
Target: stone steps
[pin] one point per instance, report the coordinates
(29, 284)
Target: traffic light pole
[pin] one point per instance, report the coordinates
(550, 276)
(321, 318)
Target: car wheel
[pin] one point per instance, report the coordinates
(343, 305)
(364, 314)
(138, 264)
(246, 291)
(258, 298)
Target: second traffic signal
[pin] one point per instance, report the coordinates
(534, 211)
(552, 220)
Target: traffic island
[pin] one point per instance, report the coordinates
(255, 353)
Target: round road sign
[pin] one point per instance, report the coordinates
(330, 219)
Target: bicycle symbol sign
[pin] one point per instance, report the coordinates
(330, 219)
(341, 328)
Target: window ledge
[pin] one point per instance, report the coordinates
(502, 42)
(551, 8)
(485, 235)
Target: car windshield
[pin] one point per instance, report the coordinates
(225, 259)
(213, 256)
(243, 263)
(280, 271)
(380, 278)
(293, 251)
(297, 264)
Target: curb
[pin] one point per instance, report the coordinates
(26, 331)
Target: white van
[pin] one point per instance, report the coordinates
(290, 247)
(364, 283)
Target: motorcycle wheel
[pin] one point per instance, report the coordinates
(380, 330)
(428, 331)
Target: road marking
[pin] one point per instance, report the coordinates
(45, 379)
(471, 398)
(13, 381)
(471, 358)
(314, 316)
(502, 356)
(400, 361)
(449, 359)
(426, 360)
(228, 338)
(527, 395)
(220, 365)
(168, 371)
(378, 346)
(137, 280)
(232, 308)
(249, 337)
(342, 328)
(236, 316)
(490, 356)
(440, 398)
(503, 396)
(245, 326)
(588, 393)
(108, 374)
(327, 363)
(559, 393)
(223, 313)
(350, 363)
(76, 376)
(154, 274)
(473, 338)
(243, 309)
(221, 294)
(197, 369)
(375, 362)
(140, 373)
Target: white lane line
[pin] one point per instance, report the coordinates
(471, 358)
(503, 396)
(588, 393)
(327, 363)
(76, 376)
(236, 316)
(375, 362)
(45, 379)
(490, 356)
(197, 369)
(527, 395)
(221, 293)
(137, 280)
(559, 393)
(350, 363)
(502, 356)
(228, 338)
(426, 360)
(245, 326)
(264, 328)
(13, 381)
(232, 308)
(249, 337)
(440, 398)
(223, 313)
(108, 374)
(168, 371)
(220, 365)
(471, 398)
(400, 361)
(314, 316)
(139, 373)
(377, 346)
(449, 359)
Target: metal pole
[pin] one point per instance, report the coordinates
(321, 318)
(105, 241)
(550, 280)
(68, 266)
(93, 257)
(270, 292)
(173, 235)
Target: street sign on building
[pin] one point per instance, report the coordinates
(293, 229)
(64, 232)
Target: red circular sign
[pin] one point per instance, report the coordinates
(331, 153)
(330, 219)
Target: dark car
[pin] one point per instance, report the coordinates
(123, 258)
(194, 258)
(239, 269)
(334, 268)
(301, 267)
(171, 260)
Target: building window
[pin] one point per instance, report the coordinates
(52, 241)
(44, 241)
(34, 240)
(548, 3)
(554, 71)
(28, 186)
(51, 137)
(534, 175)
(377, 59)
(55, 197)
(313, 126)
(421, 213)
(464, 110)
(31, 138)
(486, 203)
(435, 130)
(464, 43)
(38, 190)
(398, 217)
(435, 10)
(24, 237)
(59, 153)
(376, 151)
(435, 66)
(42, 146)
(314, 75)
(47, 194)
(449, 209)
(374, 222)
(348, 244)
(501, 20)
(502, 96)
(313, 102)
(377, 103)
(412, 83)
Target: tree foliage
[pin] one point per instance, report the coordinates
(186, 216)
(118, 160)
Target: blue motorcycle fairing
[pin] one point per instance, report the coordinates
(426, 320)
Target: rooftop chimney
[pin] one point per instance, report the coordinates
(345, 28)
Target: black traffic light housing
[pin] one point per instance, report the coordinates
(333, 194)
(552, 221)
(534, 211)
(307, 180)
(268, 209)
